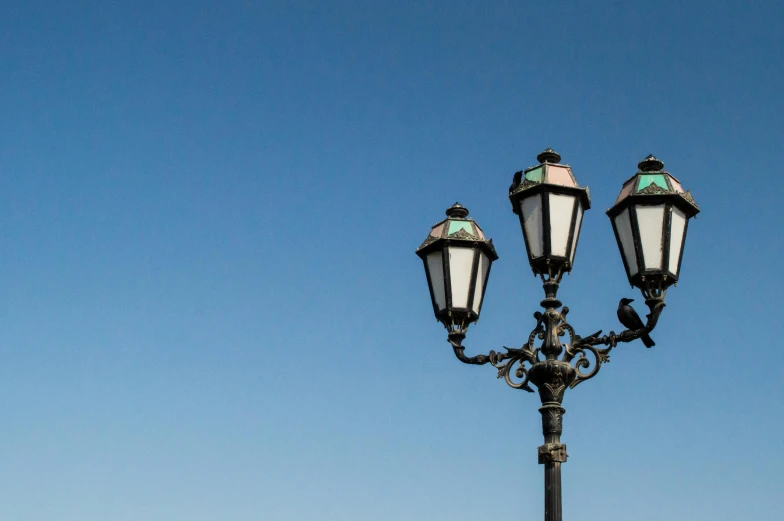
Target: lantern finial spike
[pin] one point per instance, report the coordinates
(549, 156)
(457, 211)
(650, 164)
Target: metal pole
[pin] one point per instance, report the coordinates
(551, 377)
(551, 455)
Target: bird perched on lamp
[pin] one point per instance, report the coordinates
(631, 320)
(516, 180)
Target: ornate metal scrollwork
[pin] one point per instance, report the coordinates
(580, 353)
(505, 363)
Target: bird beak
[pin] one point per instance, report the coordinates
(631, 300)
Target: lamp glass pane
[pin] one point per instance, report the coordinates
(456, 226)
(578, 221)
(531, 208)
(625, 191)
(435, 268)
(624, 227)
(652, 179)
(676, 238)
(561, 208)
(461, 265)
(534, 175)
(481, 280)
(650, 220)
(559, 175)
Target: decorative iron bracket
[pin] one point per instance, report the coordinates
(579, 352)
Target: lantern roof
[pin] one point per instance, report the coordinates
(548, 173)
(652, 182)
(458, 227)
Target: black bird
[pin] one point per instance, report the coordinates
(516, 180)
(631, 320)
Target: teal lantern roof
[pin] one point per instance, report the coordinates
(549, 172)
(457, 227)
(653, 180)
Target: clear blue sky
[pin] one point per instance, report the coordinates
(210, 304)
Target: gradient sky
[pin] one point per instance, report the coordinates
(210, 306)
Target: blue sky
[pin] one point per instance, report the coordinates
(211, 306)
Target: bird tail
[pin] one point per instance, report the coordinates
(647, 340)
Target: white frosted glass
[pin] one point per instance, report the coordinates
(676, 238)
(532, 217)
(481, 280)
(561, 208)
(624, 227)
(650, 220)
(577, 224)
(461, 263)
(436, 269)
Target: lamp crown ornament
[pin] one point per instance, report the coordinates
(650, 164)
(548, 156)
(457, 211)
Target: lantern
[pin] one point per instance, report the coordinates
(457, 260)
(550, 205)
(650, 219)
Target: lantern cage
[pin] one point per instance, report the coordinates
(457, 259)
(550, 205)
(650, 219)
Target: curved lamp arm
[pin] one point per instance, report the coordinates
(456, 340)
(502, 361)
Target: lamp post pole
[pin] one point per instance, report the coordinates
(649, 220)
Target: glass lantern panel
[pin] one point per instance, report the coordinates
(461, 267)
(676, 185)
(561, 208)
(625, 191)
(559, 175)
(436, 231)
(456, 226)
(534, 175)
(479, 231)
(652, 179)
(678, 227)
(624, 227)
(578, 221)
(481, 280)
(435, 268)
(531, 208)
(650, 220)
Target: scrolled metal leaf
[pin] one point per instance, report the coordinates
(600, 356)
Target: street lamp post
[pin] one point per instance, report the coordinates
(649, 219)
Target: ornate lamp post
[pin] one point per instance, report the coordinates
(650, 218)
